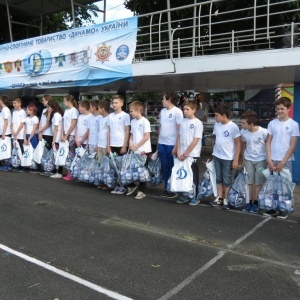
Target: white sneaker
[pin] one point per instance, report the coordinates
(56, 176)
(131, 190)
(121, 190)
(115, 190)
(140, 195)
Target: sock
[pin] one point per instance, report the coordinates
(225, 202)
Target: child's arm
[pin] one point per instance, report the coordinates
(55, 131)
(243, 148)
(190, 148)
(5, 125)
(126, 140)
(288, 154)
(84, 137)
(15, 133)
(42, 128)
(271, 165)
(174, 151)
(33, 132)
(108, 149)
(235, 162)
(71, 128)
(140, 143)
(24, 135)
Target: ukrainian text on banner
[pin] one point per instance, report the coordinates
(85, 56)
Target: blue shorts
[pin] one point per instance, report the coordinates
(223, 171)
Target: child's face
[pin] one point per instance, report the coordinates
(219, 118)
(188, 112)
(16, 104)
(245, 125)
(29, 112)
(117, 104)
(134, 113)
(81, 109)
(282, 111)
(67, 104)
(165, 102)
(45, 102)
(93, 109)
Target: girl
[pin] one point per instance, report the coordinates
(69, 124)
(55, 119)
(45, 130)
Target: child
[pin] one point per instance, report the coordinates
(254, 156)
(139, 141)
(118, 133)
(170, 119)
(93, 127)
(5, 126)
(189, 145)
(70, 118)
(281, 143)
(226, 153)
(31, 126)
(18, 120)
(55, 119)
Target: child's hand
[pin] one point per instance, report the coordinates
(235, 164)
(123, 150)
(279, 167)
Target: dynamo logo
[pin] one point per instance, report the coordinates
(226, 133)
(170, 116)
(3, 148)
(61, 151)
(26, 154)
(192, 126)
(181, 173)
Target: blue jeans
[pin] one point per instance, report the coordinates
(223, 171)
(167, 161)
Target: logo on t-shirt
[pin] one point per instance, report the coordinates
(192, 126)
(226, 133)
(170, 116)
(287, 128)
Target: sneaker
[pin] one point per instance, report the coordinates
(115, 190)
(216, 202)
(56, 176)
(282, 215)
(131, 190)
(44, 173)
(270, 213)
(225, 206)
(254, 208)
(140, 195)
(121, 190)
(171, 195)
(68, 177)
(5, 168)
(194, 202)
(248, 207)
(164, 194)
(183, 199)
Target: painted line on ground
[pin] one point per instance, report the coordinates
(209, 264)
(67, 275)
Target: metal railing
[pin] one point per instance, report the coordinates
(209, 28)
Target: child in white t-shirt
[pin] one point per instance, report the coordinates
(30, 126)
(103, 109)
(189, 144)
(118, 133)
(81, 131)
(283, 133)
(139, 142)
(226, 153)
(254, 156)
(170, 119)
(93, 127)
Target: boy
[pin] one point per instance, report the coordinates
(5, 125)
(93, 127)
(139, 141)
(281, 143)
(226, 153)
(254, 156)
(103, 109)
(118, 133)
(189, 145)
(18, 119)
(170, 119)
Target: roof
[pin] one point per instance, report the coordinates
(36, 8)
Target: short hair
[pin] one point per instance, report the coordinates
(118, 96)
(171, 97)
(85, 104)
(105, 105)
(284, 101)
(222, 109)
(250, 117)
(193, 104)
(4, 99)
(95, 104)
(19, 100)
(33, 108)
(47, 97)
(137, 105)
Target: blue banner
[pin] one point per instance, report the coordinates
(85, 56)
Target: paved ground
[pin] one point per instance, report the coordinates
(69, 241)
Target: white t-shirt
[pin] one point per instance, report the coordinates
(169, 119)
(43, 122)
(138, 129)
(57, 121)
(5, 115)
(69, 115)
(190, 129)
(255, 144)
(117, 123)
(281, 132)
(102, 132)
(224, 147)
(82, 126)
(18, 117)
(30, 122)
(93, 126)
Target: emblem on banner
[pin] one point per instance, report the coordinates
(73, 58)
(60, 59)
(8, 66)
(86, 55)
(38, 63)
(122, 52)
(18, 65)
(103, 53)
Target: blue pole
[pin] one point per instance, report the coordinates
(296, 162)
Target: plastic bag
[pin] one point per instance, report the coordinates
(62, 153)
(5, 148)
(16, 155)
(205, 188)
(38, 151)
(79, 152)
(108, 173)
(49, 161)
(210, 167)
(155, 171)
(26, 160)
(182, 175)
(239, 192)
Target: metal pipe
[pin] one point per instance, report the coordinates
(292, 35)
(73, 13)
(254, 21)
(104, 14)
(209, 24)
(151, 19)
(268, 20)
(194, 29)
(169, 22)
(199, 27)
(159, 49)
(232, 41)
(9, 21)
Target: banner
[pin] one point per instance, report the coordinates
(86, 56)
